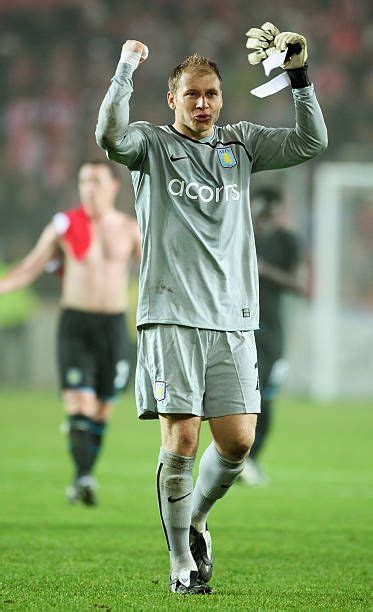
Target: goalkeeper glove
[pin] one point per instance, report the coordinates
(261, 39)
(296, 45)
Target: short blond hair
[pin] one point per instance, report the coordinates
(192, 62)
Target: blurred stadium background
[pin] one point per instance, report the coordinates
(56, 59)
(304, 541)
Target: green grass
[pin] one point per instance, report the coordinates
(304, 542)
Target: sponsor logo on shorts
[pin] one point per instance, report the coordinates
(159, 390)
(246, 312)
(226, 157)
(74, 376)
(204, 193)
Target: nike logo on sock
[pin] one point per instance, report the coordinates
(172, 500)
(173, 158)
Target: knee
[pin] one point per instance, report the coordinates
(80, 403)
(104, 411)
(185, 444)
(180, 435)
(250, 438)
(238, 449)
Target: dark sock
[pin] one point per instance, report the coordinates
(97, 437)
(80, 439)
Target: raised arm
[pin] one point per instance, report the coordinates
(275, 148)
(33, 264)
(122, 142)
(283, 147)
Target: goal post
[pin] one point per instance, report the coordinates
(342, 315)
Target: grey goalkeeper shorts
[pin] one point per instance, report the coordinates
(202, 372)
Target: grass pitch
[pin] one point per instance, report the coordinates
(303, 542)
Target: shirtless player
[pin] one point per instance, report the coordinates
(96, 244)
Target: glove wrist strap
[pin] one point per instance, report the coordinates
(299, 77)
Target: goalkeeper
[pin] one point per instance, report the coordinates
(198, 300)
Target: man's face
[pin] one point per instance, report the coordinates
(197, 103)
(97, 189)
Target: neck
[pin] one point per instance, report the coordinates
(97, 214)
(186, 131)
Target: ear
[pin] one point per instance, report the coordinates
(171, 100)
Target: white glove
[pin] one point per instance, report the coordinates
(261, 39)
(133, 53)
(296, 44)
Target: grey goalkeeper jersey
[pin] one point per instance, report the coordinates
(199, 264)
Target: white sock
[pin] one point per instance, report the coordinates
(215, 477)
(175, 492)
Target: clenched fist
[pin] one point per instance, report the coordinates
(134, 53)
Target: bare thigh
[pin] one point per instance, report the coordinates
(86, 403)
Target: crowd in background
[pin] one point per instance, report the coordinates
(57, 57)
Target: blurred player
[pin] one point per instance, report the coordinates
(95, 244)
(198, 305)
(277, 250)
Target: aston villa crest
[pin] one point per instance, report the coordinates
(159, 390)
(226, 157)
